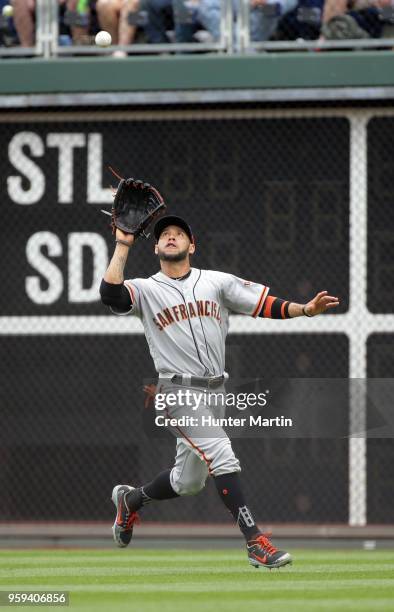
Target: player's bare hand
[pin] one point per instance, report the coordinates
(120, 235)
(321, 303)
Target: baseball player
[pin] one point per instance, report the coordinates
(185, 314)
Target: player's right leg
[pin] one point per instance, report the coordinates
(127, 501)
(187, 477)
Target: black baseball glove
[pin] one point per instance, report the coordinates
(136, 205)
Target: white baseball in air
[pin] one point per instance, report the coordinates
(103, 39)
(8, 10)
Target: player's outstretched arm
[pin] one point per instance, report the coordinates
(276, 308)
(115, 270)
(319, 304)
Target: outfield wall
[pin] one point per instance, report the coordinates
(198, 72)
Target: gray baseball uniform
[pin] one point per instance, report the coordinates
(186, 323)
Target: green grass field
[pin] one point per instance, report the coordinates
(204, 580)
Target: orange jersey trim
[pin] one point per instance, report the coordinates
(197, 448)
(261, 301)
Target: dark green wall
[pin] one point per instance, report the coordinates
(266, 70)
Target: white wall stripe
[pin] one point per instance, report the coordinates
(341, 324)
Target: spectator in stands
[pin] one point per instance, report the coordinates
(8, 35)
(171, 20)
(24, 19)
(24, 13)
(264, 16)
(171, 15)
(116, 17)
(353, 19)
(192, 15)
(303, 22)
(78, 17)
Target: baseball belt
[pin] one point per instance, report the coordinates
(197, 381)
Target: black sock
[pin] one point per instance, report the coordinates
(230, 491)
(159, 488)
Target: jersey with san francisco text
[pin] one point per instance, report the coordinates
(186, 322)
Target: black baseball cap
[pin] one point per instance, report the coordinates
(164, 222)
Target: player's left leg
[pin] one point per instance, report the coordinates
(225, 469)
(261, 551)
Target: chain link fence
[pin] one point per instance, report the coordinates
(269, 196)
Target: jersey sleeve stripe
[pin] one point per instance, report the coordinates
(261, 301)
(282, 310)
(268, 307)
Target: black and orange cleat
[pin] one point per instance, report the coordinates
(262, 553)
(126, 513)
